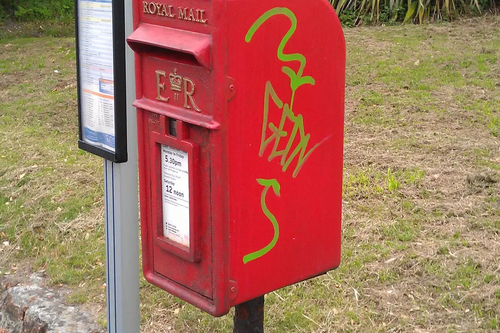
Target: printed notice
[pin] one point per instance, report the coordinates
(95, 33)
(175, 192)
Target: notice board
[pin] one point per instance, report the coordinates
(100, 54)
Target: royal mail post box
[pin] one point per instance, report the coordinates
(240, 129)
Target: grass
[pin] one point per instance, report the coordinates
(50, 191)
(46, 28)
(421, 225)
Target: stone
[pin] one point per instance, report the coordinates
(34, 308)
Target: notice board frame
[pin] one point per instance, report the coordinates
(120, 154)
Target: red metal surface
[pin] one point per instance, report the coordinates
(176, 40)
(257, 89)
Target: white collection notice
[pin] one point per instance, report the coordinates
(95, 34)
(175, 193)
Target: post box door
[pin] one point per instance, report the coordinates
(179, 226)
(175, 102)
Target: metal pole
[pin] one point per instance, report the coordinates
(249, 316)
(121, 204)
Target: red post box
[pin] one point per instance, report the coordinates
(240, 123)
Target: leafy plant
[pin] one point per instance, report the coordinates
(33, 10)
(392, 183)
(352, 12)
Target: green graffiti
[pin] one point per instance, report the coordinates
(296, 79)
(267, 183)
(288, 154)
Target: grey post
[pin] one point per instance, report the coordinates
(121, 204)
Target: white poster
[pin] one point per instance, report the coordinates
(175, 193)
(95, 34)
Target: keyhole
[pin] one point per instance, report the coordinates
(172, 127)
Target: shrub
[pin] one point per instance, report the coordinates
(354, 12)
(37, 10)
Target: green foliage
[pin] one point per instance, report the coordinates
(348, 18)
(36, 10)
(392, 183)
(352, 13)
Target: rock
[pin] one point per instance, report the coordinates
(34, 308)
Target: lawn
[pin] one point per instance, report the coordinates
(421, 219)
